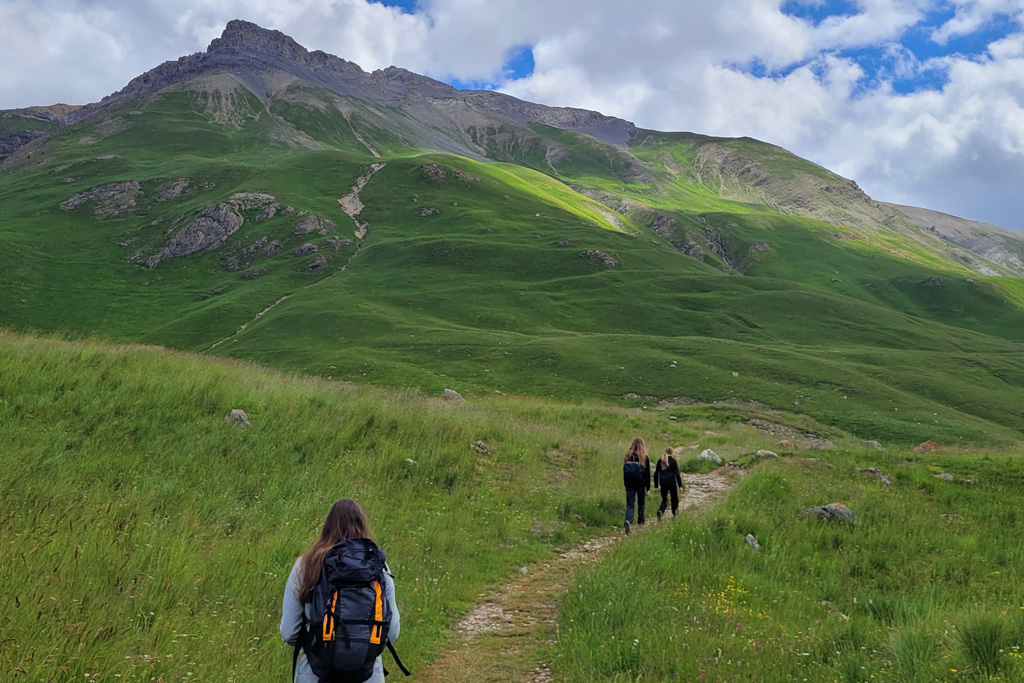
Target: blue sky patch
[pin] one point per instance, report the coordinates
(407, 6)
(904, 64)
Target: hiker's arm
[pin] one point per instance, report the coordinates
(291, 608)
(389, 593)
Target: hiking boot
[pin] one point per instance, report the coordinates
(660, 513)
(627, 528)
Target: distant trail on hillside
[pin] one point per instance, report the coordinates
(510, 636)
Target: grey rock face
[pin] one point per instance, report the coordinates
(752, 542)
(173, 190)
(254, 247)
(250, 52)
(209, 231)
(452, 395)
(108, 200)
(12, 141)
(306, 248)
(607, 260)
(307, 225)
(874, 445)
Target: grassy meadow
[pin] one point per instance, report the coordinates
(927, 587)
(144, 538)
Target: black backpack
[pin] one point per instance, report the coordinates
(633, 474)
(351, 616)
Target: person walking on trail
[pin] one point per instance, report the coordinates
(339, 601)
(636, 476)
(666, 474)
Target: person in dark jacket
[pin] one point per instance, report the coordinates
(636, 476)
(668, 479)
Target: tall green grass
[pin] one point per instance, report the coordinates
(144, 537)
(927, 587)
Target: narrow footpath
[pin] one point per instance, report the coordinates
(511, 635)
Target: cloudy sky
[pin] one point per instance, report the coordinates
(919, 101)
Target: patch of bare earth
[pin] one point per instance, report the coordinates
(352, 205)
(510, 637)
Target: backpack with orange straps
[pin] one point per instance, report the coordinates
(351, 615)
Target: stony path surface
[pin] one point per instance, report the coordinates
(511, 634)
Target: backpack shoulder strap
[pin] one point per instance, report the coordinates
(397, 660)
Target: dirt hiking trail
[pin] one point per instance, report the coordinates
(510, 636)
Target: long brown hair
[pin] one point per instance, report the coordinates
(345, 520)
(637, 452)
(664, 458)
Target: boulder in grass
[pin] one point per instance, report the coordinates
(452, 395)
(876, 473)
(481, 448)
(833, 512)
(752, 542)
(945, 476)
(874, 445)
(238, 417)
(765, 455)
(710, 456)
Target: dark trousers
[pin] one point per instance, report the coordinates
(639, 495)
(666, 491)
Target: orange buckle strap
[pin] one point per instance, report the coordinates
(375, 632)
(329, 619)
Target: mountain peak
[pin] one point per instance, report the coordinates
(247, 36)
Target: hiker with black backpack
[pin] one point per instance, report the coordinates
(636, 476)
(339, 608)
(666, 474)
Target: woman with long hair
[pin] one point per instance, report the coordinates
(346, 521)
(666, 473)
(636, 476)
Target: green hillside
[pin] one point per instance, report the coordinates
(603, 272)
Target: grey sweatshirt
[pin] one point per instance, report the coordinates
(291, 622)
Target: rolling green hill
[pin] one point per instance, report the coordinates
(490, 245)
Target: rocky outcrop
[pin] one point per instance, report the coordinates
(321, 226)
(876, 473)
(107, 200)
(173, 190)
(250, 53)
(833, 512)
(13, 140)
(597, 256)
(208, 231)
(998, 245)
(316, 264)
(710, 456)
(433, 172)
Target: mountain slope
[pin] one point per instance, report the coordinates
(284, 206)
